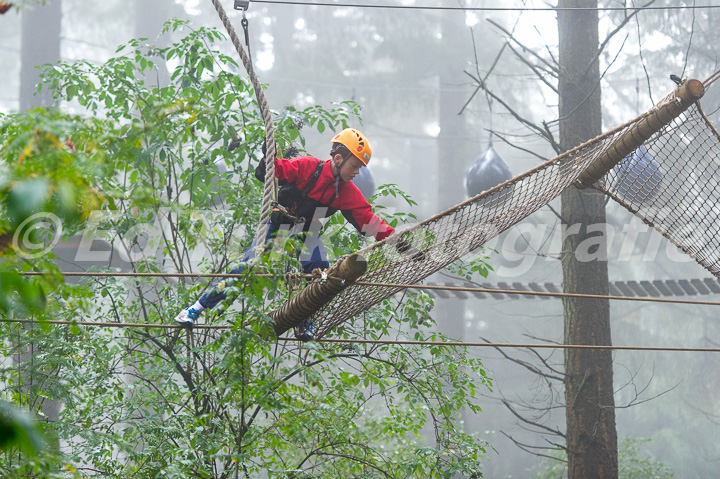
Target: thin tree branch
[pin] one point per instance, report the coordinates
(537, 71)
(517, 116)
(617, 29)
(526, 448)
(552, 67)
(527, 365)
(525, 420)
(505, 140)
(692, 33)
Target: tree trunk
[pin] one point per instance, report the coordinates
(149, 21)
(41, 26)
(40, 44)
(452, 157)
(590, 413)
(452, 162)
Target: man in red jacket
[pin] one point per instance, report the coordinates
(310, 190)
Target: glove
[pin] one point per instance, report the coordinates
(403, 246)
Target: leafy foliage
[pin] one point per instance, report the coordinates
(214, 403)
(17, 428)
(45, 192)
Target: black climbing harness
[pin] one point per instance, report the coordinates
(292, 206)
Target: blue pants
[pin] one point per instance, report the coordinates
(313, 255)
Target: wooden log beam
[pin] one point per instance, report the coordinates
(318, 293)
(684, 96)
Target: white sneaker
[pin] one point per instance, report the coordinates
(187, 317)
(306, 331)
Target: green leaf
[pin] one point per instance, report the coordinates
(26, 198)
(18, 430)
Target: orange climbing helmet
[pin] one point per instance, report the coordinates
(356, 142)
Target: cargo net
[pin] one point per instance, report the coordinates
(418, 252)
(672, 182)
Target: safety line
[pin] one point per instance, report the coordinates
(101, 324)
(404, 286)
(511, 345)
(270, 188)
(380, 341)
(485, 9)
(164, 275)
(537, 293)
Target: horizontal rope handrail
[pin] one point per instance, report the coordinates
(515, 345)
(410, 286)
(535, 293)
(165, 275)
(112, 324)
(390, 342)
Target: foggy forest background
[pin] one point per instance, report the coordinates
(414, 71)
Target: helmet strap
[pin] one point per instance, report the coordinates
(338, 167)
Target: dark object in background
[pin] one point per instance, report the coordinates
(638, 177)
(488, 171)
(365, 181)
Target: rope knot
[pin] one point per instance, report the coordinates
(322, 274)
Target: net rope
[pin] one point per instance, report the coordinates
(446, 237)
(673, 184)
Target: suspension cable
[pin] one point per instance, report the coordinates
(537, 293)
(167, 275)
(380, 341)
(398, 286)
(483, 9)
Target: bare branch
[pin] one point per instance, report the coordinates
(527, 448)
(642, 62)
(537, 71)
(477, 69)
(616, 30)
(505, 140)
(555, 145)
(477, 89)
(545, 362)
(547, 48)
(687, 52)
(550, 66)
(530, 367)
(595, 87)
(517, 116)
(525, 420)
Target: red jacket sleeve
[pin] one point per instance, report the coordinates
(358, 212)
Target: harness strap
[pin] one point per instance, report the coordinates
(278, 207)
(313, 180)
(299, 196)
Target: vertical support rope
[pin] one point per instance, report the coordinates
(270, 191)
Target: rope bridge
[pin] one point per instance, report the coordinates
(675, 132)
(674, 185)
